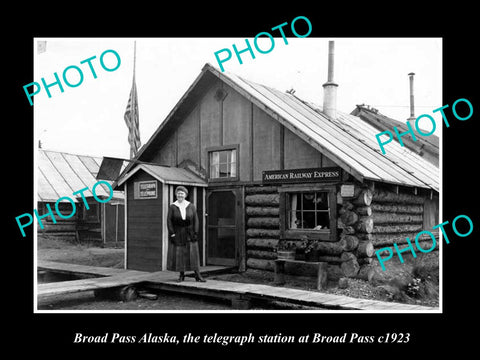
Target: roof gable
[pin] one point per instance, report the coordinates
(166, 175)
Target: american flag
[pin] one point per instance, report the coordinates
(131, 119)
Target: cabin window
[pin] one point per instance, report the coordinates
(308, 211)
(93, 213)
(64, 207)
(223, 164)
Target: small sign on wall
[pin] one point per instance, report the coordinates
(145, 190)
(347, 190)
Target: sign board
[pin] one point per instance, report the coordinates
(347, 190)
(146, 189)
(315, 175)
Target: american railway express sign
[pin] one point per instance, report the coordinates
(330, 174)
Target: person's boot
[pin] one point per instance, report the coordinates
(199, 277)
(181, 277)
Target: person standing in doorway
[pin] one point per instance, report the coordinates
(182, 222)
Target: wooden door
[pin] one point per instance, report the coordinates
(222, 227)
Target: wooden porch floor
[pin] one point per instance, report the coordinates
(166, 280)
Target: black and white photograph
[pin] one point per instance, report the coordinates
(281, 186)
(241, 195)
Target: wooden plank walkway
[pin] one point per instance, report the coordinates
(104, 278)
(167, 280)
(230, 290)
(65, 268)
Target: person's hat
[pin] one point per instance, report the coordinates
(181, 188)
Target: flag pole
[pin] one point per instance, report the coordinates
(134, 56)
(132, 153)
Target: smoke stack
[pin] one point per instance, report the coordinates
(330, 87)
(412, 105)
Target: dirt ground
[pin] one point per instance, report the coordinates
(87, 301)
(53, 249)
(420, 288)
(390, 291)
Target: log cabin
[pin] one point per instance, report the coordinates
(262, 166)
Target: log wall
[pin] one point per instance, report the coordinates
(355, 223)
(366, 221)
(384, 217)
(262, 226)
(397, 216)
(345, 257)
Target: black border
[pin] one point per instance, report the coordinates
(429, 333)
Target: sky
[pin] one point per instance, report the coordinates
(88, 119)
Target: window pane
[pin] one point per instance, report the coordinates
(308, 220)
(214, 158)
(321, 200)
(323, 220)
(223, 170)
(214, 171)
(308, 201)
(223, 156)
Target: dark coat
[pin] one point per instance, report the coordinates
(184, 230)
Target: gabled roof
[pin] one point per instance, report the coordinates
(61, 174)
(348, 140)
(425, 146)
(166, 175)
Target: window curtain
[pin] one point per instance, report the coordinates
(233, 163)
(293, 223)
(214, 165)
